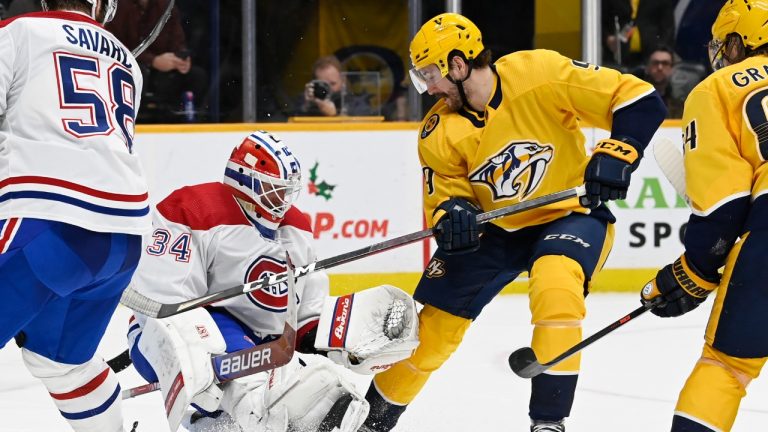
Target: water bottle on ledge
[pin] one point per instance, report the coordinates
(189, 106)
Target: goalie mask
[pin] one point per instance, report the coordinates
(109, 7)
(264, 171)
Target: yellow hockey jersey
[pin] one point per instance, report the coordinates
(725, 134)
(528, 142)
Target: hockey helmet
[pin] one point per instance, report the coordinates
(746, 18)
(265, 172)
(110, 7)
(435, 41)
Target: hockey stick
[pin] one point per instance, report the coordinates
(525, 364)
(154, 309)
(120, 362)
(670, 160)
(258, 358)
(155, 31)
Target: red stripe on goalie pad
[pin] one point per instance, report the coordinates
(173, 393)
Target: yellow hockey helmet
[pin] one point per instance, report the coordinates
(746, 18)
(436, 39)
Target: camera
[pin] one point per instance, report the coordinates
(321, 89)
(183, 54)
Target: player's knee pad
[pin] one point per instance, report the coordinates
(87, 395)
(556, 290)
(557, 308)
(713, 392)
(743, 370)
(440, 333)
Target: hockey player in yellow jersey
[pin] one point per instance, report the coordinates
(500, 134)
(725, 146)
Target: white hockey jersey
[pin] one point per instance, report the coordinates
(69, 93)
(204, 241)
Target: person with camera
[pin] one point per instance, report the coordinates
(322, 95)
(173, 84)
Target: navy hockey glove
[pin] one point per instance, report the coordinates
(681, 288)
(608, 171)
(457, 230)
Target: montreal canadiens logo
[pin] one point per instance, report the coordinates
(272, 298)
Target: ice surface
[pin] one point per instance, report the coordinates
(629, 382)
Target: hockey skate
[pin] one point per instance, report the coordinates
(547, 426)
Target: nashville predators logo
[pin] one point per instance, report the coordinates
(515, 171)
(435, 269)
(430, 125)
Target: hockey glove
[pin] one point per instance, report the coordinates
(457, 230)
(681, 288)
(608, 171)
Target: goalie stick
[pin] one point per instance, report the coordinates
(154, 309)
(258, 358)
(525, 364)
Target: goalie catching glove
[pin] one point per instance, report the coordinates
(369, 331)
(681, 287)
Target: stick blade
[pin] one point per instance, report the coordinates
(524, 363)
(670, 159)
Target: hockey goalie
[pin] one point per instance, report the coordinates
(213, 236)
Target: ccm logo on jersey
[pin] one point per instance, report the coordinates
(570, 237)
(241, 362)
(273, 298)
(341, 315)
(516, 171)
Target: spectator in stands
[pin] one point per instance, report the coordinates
(694, 20)
(322, 95)
(19, 7)
(166, 64)
(658, 71)
(632, 28)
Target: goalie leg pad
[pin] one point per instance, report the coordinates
(440, 333)
(713, 392)
(311, 391)
(87, 395)
(179, 349)
(298, 395)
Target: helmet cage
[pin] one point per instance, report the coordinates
(266, 172)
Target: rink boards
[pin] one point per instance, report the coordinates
(362, 185)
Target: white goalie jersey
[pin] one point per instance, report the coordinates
(69, 93)
(205, 241)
